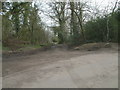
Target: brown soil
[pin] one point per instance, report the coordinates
(18, 67)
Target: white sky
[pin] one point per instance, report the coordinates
(101, 3)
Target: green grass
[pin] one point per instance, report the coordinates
(0, 46)
(3, 48)
(6, 49)
(24, 47)
(28, 47)
(32, 46)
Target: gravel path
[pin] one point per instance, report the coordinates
(62, 69)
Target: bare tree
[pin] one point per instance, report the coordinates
(58, 15)
(78, 9)
(112, 12)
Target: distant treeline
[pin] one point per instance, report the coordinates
(22, 21)
(103, 29)
(85, 24)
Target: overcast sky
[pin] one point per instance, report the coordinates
(101, 3)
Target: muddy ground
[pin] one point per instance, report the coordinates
(62, 68)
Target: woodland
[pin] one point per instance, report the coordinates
(75, 23)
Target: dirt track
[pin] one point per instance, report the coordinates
(62, 69)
